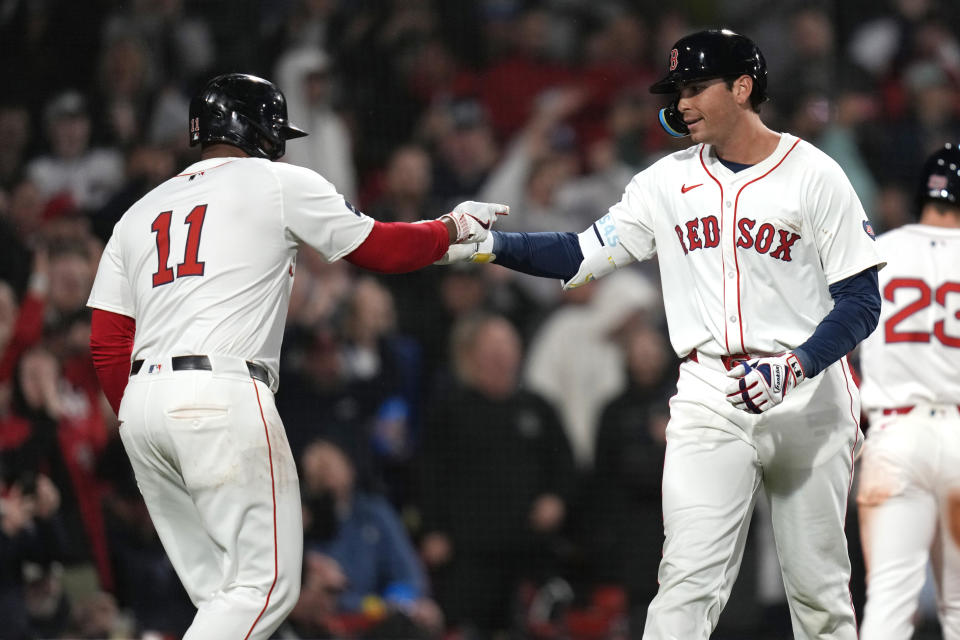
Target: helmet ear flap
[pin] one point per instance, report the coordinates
(672, 121)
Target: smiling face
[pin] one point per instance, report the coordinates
(712, 110)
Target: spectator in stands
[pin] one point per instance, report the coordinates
(125, 97)
(15, 132)
(579, 377)
(71, 270)
(96, 615)
(318, 399)
(899, 145)
(30, 532)
(466, 149)
(626, 524)
(884, 44)
(355, 381)
(27, 210)
(510, 85)
(180, 45)
(21, 324)
(62, 433)
(146, 584)
(376, 355)
(406, 186)
(811, 65)
(855, 107)
(86, 176)
(305, 76)
(497, 481)
(316, 614)
(362, 533)
(539, 160)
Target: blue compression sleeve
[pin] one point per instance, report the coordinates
(547, 254)
(854, 316)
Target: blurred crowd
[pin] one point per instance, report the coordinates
(535, 513)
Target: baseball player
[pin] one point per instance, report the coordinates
(194, 285)
(911, 391)
(769, 273)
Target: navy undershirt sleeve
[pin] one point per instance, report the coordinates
(855, 314)
(545, 253)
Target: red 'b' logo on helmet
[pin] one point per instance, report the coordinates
(937, 182)
(673, 59)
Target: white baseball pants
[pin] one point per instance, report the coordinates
(910, 464)
(214, 466)
(719, 460)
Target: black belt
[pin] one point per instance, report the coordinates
(202, 363)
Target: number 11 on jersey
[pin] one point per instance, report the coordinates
(191, 266)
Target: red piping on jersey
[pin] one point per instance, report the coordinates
(853, 452)
(736, 261)
(273, 493)
(182, 175)
(846, 361)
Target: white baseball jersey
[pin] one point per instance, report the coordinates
(911, 462)
(204, 263)
(914, 355)
(746, 260)
(750, 253)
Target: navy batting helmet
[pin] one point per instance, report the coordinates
(940, 178)
(715, 53)
(244, 111)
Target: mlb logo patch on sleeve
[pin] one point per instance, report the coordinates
(869, 229)
(352, 208)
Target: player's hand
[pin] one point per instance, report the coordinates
(474, 219)
(470, 252)
(763, 383)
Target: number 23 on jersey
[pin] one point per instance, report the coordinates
(191, 265)
(926, 295)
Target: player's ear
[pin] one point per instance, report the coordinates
(742, 88)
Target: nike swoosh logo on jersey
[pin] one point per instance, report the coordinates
(684, 188)
(485, 225)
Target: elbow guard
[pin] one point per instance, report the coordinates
(599, 259)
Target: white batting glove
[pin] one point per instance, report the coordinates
(474, 219)
(469, 252)
(762, 383)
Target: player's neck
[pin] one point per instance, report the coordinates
(939, 216)
(222, 151)
(750, 142)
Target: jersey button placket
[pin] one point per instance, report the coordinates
(731, 296)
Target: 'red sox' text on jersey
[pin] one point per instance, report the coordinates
(741, 239)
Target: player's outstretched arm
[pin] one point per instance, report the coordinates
(573, 258)
(398, 247)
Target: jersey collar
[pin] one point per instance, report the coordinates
(717, 168)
